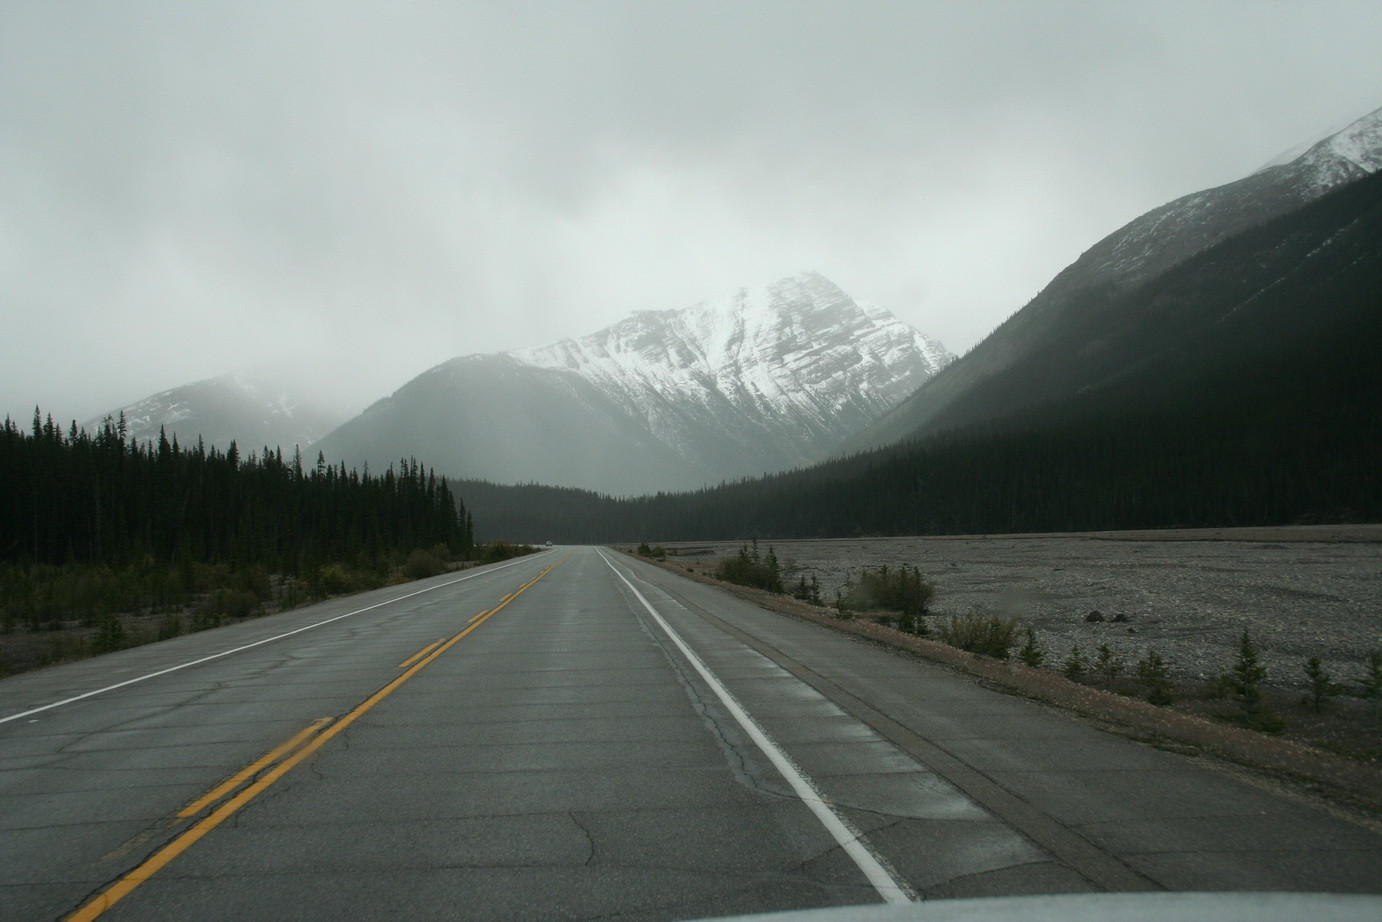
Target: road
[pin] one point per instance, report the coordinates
(576, 735)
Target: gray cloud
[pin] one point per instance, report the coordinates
(367, 189)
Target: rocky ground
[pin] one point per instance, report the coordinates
(1189, 595)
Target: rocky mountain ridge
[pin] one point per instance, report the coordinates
(763, 379)
(973, 390)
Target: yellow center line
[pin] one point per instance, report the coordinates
(477, 617)
(419, 654)
(249, 771)
(160, 859)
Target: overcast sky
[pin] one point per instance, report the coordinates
(364, 190)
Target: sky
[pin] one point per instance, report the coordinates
(359, 191)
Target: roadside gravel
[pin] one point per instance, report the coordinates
(1189, 595)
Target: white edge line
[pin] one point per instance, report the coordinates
(204, 659)
(889, 888)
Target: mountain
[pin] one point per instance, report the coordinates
(252, 409)
(764, 379)
(1042, 353)
(1239, 387)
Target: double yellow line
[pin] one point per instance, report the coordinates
(282, 759)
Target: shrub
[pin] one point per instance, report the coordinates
(169, 626)
(841, 609)
(333, 579)
(225, 604)
(1108, 665)
(500, 550)
(1245, 679)
(1155, 674)
(652, 553)
(110, 636)
(256, 580)
(808, 592)
(1075, 666)
(900, 589)
(979, 631)
(1320, 685)
(422, 564)
(1372, 685)
(1031, 652)
(750, 568)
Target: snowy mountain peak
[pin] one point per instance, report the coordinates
(763, 379)
(1359, 143)
(1344, 155)
(798, 347)
(253, 408)
(1171, 233)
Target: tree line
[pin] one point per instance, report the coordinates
(1244, 445)
(95, 526)
(80, 497)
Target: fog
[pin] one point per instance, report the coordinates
(359, 191)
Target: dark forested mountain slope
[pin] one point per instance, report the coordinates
(1072, 334)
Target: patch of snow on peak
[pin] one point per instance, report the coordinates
(1357, 144)
(789, 354)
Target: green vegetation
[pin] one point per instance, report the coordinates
(897, 589)
(1076, 666)
(1372, 684)
(1109, 666)
(1156, 677)
(750, 568)
(1031, 653)
(1244, 680)
(1320, 685)
(95, 529)
(808, 592)
(979, 631)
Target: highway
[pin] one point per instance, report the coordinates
(578, 734)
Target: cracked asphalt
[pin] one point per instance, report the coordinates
(564, 760)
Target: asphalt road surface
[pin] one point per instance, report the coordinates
(577, 735)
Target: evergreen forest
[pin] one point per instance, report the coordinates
(93, 524)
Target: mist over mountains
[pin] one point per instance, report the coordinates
(763, 380)
(1208, 362)
(1083, 330)
(254, 409)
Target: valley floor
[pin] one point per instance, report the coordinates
(1187, 594)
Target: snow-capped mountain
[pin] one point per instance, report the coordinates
(254, 410)
(1033, 357)
(762, 380)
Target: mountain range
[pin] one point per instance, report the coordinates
(253, 409)
(765, 379)
(1191, 306)
(1240, 386)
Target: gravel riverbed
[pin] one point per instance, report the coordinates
(1299, 592)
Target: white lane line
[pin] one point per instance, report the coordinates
(889, 888)
(257, 643)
